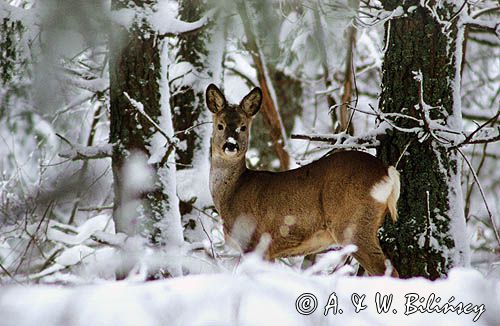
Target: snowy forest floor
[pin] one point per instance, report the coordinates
(259, 293)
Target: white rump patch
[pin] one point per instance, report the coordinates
(382, 189)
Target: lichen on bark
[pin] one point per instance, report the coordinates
(421, 242)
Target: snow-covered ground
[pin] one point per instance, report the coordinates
(259, 294)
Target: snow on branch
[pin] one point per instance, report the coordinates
(482, 134)
(78, 152)
(380, 17)
(485, 11)
(486, 25)
(140, 107)
(425, 127)
(163, 20)
(344, 140)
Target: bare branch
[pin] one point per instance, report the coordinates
(95, 208)
(470, 138)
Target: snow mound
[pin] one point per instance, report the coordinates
(259, 294)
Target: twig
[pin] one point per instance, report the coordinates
(469, 138)
(187, 130)
(476, 179)
(9, 274)
(209, 239)
(140, 107)
(78, 152)
(96, 208)
(403, 152)
(428, 231)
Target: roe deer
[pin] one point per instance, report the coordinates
(341, 198)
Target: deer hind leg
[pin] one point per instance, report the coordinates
(369, 253)
(372, 258)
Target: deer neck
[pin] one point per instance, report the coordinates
(224, 177)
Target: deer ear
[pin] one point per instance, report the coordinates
(251, 103)
(215, 99)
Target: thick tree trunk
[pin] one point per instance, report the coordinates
(427, 239)
(136, 72)
(189, 114)
(187, 101)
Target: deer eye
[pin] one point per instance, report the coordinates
(220, 127)
(243, 128)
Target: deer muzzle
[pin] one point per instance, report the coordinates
(230, 147)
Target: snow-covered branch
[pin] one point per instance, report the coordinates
(78, 152)
(87, 152)
(486, 25)
(344, 140)
(140, 107)
(163, 20)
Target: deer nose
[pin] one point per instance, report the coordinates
(230, 147)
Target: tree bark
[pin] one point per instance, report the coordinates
(135, 70)
(188, 108)
(187, 101)
(424, 240)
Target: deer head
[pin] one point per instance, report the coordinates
(231, 122)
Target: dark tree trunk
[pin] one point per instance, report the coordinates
(424, 240)
(187, 101)
(188, 107)
(135, 70)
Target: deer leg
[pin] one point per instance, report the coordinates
(371, 257)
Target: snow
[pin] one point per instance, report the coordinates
(79, 234)
(257, 294)
(170, 223)
(85, 256)
(461, 254)
(162, 19)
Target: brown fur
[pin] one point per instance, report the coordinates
(304, 210)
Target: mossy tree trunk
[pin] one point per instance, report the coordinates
(135, 70)
(189, 114)
(187, 101)
(428, 238)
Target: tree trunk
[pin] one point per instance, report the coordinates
(136, 72)
(429, 237)
(189, 111)
(188, 101)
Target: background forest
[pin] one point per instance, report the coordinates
(105, 135)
